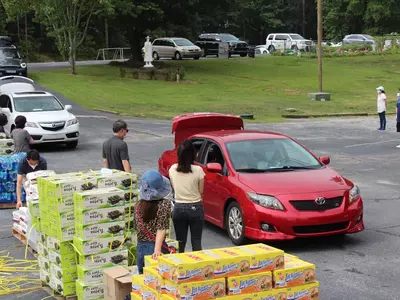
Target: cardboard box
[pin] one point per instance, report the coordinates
(120, 180)
(150, 294)
(44, 263)
(63, 261)
(89, 292)
(44, 276)
(62, 219)
(137, 284)
(90, 276)
(34, 208)
(63, 288)
(99, 215)
(103, 230)
(249, 284)
(153, 279)
(60, 205)
(117, 283)
(62, 234)
(97, 246)
(59, 246)
(102, 198)
(58, 188)
(64, 275)
(304, 292)
(296, 272)
(104, 260)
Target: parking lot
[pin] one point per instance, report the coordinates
(361, 266)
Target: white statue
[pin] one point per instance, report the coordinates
(148, 53)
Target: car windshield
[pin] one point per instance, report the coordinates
(228, 38)
(270, 155)
(296, 37)
(368, 37)
(9, 53)
(183, 42)
(37, 104)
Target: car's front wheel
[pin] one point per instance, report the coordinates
(243, 54)
(72, 145)
(178, 56)
(234, 223)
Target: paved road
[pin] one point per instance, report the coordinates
(361, 266)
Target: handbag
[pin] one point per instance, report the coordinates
(151, 236)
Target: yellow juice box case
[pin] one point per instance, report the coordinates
(263, 258)
(304, 292)
(290, 257)
(279, 294)
(186, 267)
(150, 262)
(135, 297)
(201, 290)
(137, 284)
(228, 262)
(150, 294)
(296, 272)
(249, 284)
(153, 279)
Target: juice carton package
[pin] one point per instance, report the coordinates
(153, 279)
(103, 230)
(135, 297)
(99, 215)
(279, 294)
(263, 258)
(90, 276)
(64, 275)
(104, 260)
(137, 285)
(296, 272)
(304, 292)
(64, 261)
(186, 267)
(248, 284)
(201, 290)
(150, 262)
(97, 246)
(149, 294)
(63, 288)
(102, 198)
(89, 291)
(59, 246)
(289, 257)
(170, 289)
(166, 297)
(228, 262)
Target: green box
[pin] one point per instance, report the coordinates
(96, 246)
(41, 248)
(58, 188)
(90, 291)
(90, 276)
(44, 263)
(61, 220)
(34, 208)
(120, 180)
(63, 288)
(62, 234)
(59, 246)
(99, 215)
(64, 275)
(44, 276)
(102, 198)
(104, 260)
(66, 261)
(61, 205)
(103, 230)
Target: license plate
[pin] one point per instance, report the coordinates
(12, 71)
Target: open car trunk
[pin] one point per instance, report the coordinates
(187, 125)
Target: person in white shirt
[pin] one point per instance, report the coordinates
(382, 104)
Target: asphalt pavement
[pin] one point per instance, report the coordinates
(359, 266)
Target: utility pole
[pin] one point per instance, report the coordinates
(319, 12)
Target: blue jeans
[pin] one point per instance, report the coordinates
(382, 120)
(143, 249)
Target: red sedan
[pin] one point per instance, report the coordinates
(265, 185)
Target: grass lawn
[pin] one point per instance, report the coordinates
(264, 86)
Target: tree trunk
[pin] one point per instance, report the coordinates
(18, 30)
(26, 37)
(136, 43)
(72, 60)
(106, 32)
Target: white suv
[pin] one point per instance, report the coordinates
(283, 41)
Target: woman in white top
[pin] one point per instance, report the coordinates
(381, 103)
(187, 181)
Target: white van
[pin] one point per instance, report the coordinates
(283, 41)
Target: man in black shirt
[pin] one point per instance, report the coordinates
(115, 150)
(32, 163)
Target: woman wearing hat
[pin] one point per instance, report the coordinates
(382, 104)
(152, 217)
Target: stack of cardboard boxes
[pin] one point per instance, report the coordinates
(252, 272)
(84, 224)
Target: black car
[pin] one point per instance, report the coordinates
(209, 43)
(11, 62)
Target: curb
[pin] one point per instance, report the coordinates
(106, 111)
(333, 115)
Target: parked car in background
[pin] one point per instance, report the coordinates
(11, 62)
(261, 49)
(359, 39)
(176, 48)
(48, 120)
(209, 43)
(265, 185)
(283, 41)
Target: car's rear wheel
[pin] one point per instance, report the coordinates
(155, 56)
(196, 58)
(294, 48)
(178, 56)
(72, 145)
(243, 54)
(234, 223)
(271, 48)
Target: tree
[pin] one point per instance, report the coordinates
(68, 21)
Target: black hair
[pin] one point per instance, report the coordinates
(3, 119)
(383, 92)
(32, 155)
(148, 210)
(186, 156)
(20, 122)
(119, 125)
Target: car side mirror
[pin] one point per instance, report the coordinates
(68, 107)
(325, 160)
(214, 168)
(6, 111)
